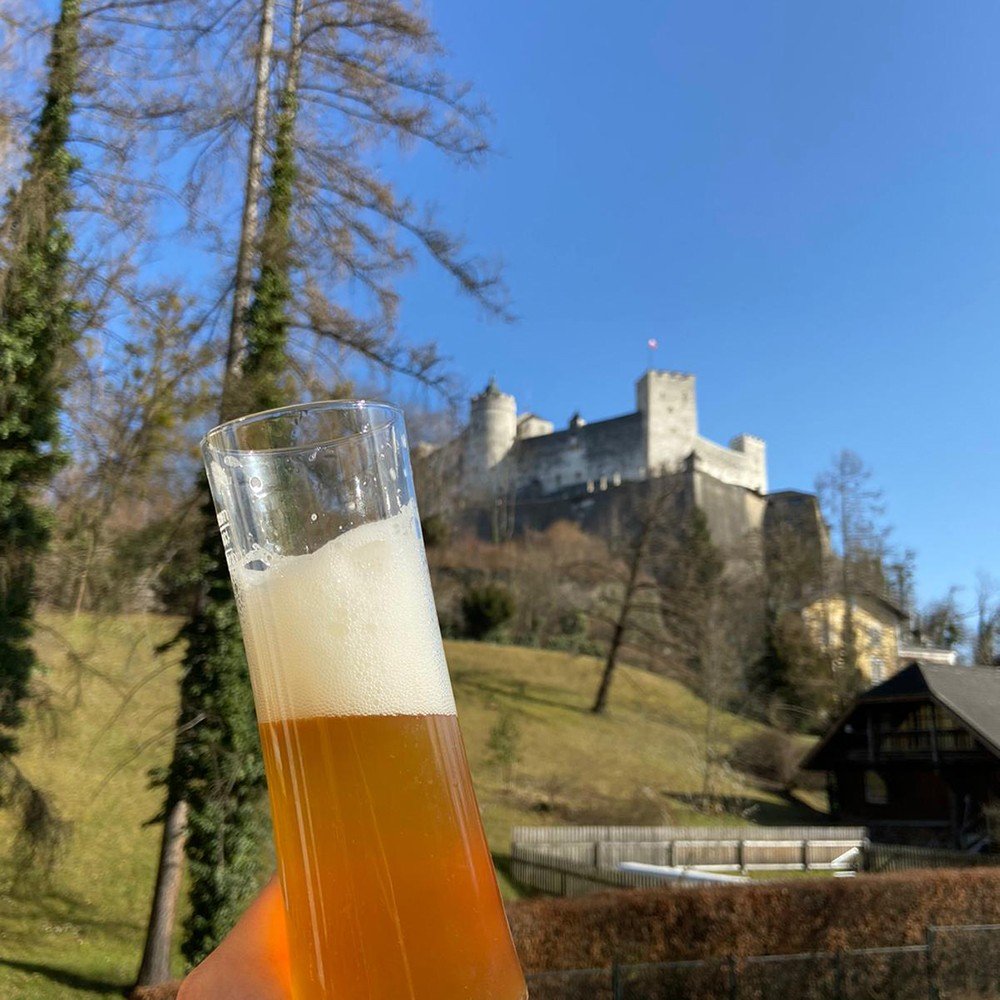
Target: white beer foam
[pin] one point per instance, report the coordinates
(347, 630)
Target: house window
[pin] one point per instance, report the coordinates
(616, 479)
(876, 790)
(878, 669)
(874, 636)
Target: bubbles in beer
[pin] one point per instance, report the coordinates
(347, 630)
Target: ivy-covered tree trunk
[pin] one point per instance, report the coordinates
(36, 329)
(217, 766)
(215, 778)
(267, 317)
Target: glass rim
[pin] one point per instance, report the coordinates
(391, 411)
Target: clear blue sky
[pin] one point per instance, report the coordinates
(800, 201)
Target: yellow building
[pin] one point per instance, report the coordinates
(877, 629)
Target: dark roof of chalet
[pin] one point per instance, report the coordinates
(616, 430)
(971, 693)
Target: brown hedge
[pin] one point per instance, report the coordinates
(764, 919)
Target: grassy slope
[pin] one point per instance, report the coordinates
(81, 936)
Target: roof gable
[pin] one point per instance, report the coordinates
(970, 693)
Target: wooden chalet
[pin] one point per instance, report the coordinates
(917, 758)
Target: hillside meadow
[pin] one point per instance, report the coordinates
(109, 704)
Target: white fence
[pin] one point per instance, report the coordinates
(739, 849)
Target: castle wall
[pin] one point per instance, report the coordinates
(529, 426)
(738, 468)
(735, 515)
(608, 452)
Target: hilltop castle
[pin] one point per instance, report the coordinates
(516, 471)
(660, 436)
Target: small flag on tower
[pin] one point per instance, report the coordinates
(652, 344)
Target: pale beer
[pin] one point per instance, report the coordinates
(388, 883)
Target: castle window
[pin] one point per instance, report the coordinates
(590, 485)
(616, 479)
(604, 482)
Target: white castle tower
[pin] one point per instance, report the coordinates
(491, 433)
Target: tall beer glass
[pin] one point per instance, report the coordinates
(388, 886)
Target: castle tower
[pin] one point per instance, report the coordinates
(755, 465)
(666, 401)
(492, 431)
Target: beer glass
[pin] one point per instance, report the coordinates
(388, 884)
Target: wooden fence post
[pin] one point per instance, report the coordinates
(617, 993)
(734, 984)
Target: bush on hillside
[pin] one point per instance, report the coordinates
(769, 755)
(436, 531)
(641, 807)
(485, 609)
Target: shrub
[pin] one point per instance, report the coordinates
(641, 807)
(485, 608)
(769, 755)
(436, 531)
(504, 745)
(653, 925)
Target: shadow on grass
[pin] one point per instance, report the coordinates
(790, 811)
(64, 977)
(58, 907)
(467, 680)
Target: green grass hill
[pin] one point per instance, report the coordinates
(108, 709)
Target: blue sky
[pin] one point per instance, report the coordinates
(801, 202)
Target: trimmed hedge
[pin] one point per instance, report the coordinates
(668, 925)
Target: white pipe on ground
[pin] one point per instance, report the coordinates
(668, 873)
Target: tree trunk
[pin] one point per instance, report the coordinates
(248, 224)
(709, 763)
(81, 591)
(609, 667)
(155, 967)
(156, 952)
(618, 636)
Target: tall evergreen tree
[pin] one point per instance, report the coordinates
(36, 331)
(218, 763)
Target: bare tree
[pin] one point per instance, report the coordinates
(942, 622)
(131, 408)
(987, 620)
(243, 279)
(627, 611)
(854, 509)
